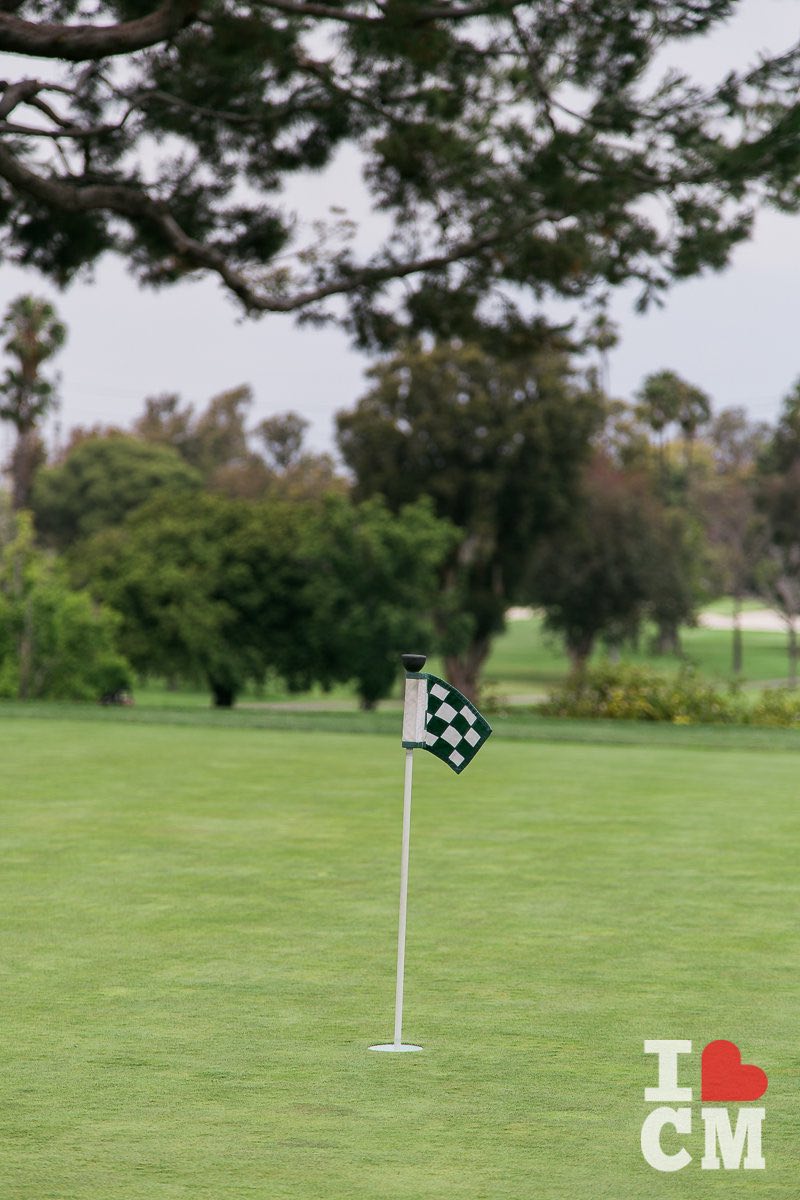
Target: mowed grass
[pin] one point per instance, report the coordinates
(527, 658)
(198, 944)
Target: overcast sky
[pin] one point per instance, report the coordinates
(734, 334)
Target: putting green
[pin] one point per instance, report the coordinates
(197, 948)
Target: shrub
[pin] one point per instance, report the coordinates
(55, 642)
(777, 706)
(620, 691)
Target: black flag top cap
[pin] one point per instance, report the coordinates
(439, 719)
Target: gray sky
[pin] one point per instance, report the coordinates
(733, 334)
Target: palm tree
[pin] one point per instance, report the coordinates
(33, 334)
(694, 411)
(666, 399)
(659, 405)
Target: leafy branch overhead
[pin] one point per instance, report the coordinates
(513, 149)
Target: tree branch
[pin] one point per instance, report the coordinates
(17, 93)
(64, 130)
(136, 206)
(297, 8)
(80, 43)
(435, 12)
(26, 91)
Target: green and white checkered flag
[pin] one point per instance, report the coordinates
(437, 718)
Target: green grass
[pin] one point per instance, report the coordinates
(765, 659)
(198, 946)
(527, 659)
(517, 724)
(154, 693)
(724, 605)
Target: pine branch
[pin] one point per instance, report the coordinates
(137, 207)
(81, 43)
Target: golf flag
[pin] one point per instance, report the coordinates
(437, 718)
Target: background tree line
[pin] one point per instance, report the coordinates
(515, 151)
(211, 548)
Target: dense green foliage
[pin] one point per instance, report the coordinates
(207, 588)
(559, 497)
(623, 557)
(514, 149)
(672, 510)
(225, 591)
(55, 643)
(102, 480)
(497, 446)
(631, 538)
(372, 580)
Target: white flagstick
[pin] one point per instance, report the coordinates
(415, 718)
(401, 927)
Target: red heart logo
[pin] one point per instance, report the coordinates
(726, 1077)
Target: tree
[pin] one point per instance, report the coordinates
(55, 643)
(283, 436)
(779, 576)
(728, 504)
(664, 400)
(223, 591)
(596, 578)
(294, 472)
(371, 590)
(516, 148)
(781, 452)
(497, 446)
(694, 412)
(737, 536)
(309, 479)
(659, 401)
(212, 440)
(102, 480)
(737, 443)
(166, 423)
(677, 575)
(779, 502)
(219, 434)
(33, 334)
(229, 455)
(624, 556)
(779, 579)
(624, 440)
(209, 589)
